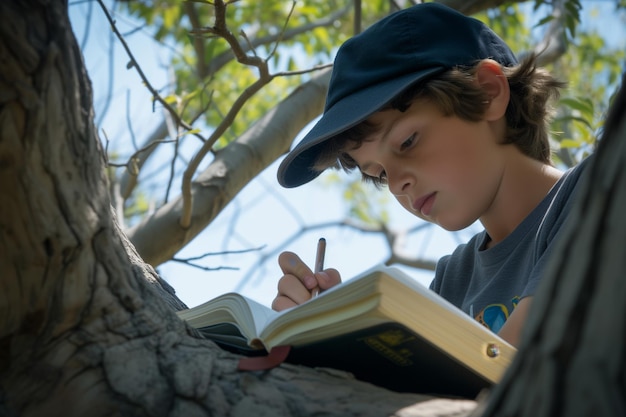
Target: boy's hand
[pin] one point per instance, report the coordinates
(298, 283)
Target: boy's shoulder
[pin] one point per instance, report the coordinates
(571, 180)
(562, 198)
(582, 165)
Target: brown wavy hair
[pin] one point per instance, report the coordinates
(455, 92)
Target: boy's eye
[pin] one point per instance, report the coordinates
(378, 180)
(408, 142)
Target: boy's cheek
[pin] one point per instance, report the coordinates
(405, 202)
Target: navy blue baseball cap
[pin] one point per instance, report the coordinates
(370, 69)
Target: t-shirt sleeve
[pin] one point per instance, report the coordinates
(435, 284)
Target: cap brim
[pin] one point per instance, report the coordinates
(296, 168)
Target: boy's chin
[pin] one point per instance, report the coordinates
(450, 226)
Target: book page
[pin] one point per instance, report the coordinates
(248, 315)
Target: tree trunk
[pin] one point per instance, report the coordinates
(87, 328)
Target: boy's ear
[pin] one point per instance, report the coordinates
(492, 80)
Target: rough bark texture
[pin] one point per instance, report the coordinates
(85, 329)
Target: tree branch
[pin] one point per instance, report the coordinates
(220, 60)
(216, 186)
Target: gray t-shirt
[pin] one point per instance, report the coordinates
(487, 284)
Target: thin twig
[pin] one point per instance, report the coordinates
(83, 43)
(229, 252)
(132, 160)
(129, 122)
(155, 94)
(282, 32)
(107, 102)
(190, 261)
(206, 268)
(300, 72)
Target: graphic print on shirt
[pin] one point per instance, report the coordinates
(494, 316)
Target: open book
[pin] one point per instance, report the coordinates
(382, 326)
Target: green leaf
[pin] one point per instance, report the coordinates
(569, 143)
(171, 99)
(584, 105)
(545, 20)
(192, 131)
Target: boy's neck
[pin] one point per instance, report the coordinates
(525, 183)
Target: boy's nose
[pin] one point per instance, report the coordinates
(399, 183)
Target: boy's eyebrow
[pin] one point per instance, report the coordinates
(378, 131)
(383, 139)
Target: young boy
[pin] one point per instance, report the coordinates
(435, 106)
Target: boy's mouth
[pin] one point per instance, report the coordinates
(424, 204)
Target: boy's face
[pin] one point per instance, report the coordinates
(441, 168)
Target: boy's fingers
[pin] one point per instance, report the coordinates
(291, 264)
(328, 278)
(299, 281)
(281, 303)
(291, 287)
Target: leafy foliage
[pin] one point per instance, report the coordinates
(208, 80)
(592, 69)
